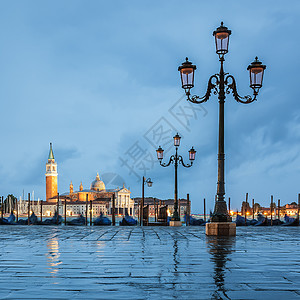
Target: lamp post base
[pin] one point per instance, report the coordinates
(175, 223)
(221, 229)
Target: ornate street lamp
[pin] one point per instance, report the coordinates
(221, 84)
(176, 159)
(149, 184)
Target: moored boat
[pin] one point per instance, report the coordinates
(193, 221)
(128, 221)
(288, 221)
(102, 221)
(78, 221)
(33, 220)
(261, 220)
(9, 221)
(55, 220)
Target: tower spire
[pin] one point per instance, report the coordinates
(51, 176)
(51, 155)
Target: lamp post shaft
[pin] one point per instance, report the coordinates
(221, 154)
(220, 212)
(175, 214)
(143, 201)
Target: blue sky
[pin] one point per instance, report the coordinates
(95, 78)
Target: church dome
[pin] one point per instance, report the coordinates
(97, 184)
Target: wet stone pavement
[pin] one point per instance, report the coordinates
(39, 262)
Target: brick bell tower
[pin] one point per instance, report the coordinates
(51, 176)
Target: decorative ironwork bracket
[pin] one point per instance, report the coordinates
(179, 160)
(231, 85)
(213, 86)
(172, 159)
(210, 87)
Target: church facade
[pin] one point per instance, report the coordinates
(97, 196)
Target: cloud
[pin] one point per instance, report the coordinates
(93, 77)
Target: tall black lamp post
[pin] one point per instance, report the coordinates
(149, 183)
(221, 84)
(176, 159)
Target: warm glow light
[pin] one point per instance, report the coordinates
(222, 35)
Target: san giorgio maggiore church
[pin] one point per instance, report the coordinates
(100, 197)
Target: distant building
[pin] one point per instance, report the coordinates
(289, 209)
(76, 200)
(182, 204)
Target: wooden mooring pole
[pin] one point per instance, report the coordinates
(28, 209)
(41, 210)
(113, 211)
(155, 210)
(271, 210)
(41, 205)
(188, 211)
(298, 208)
(204, 210)
(65, 211)
(253, 212)
(278, 209)
(91, 213)
(245, 210)
(2, 207)
(57, 209)
(86, 208)
(17, 211)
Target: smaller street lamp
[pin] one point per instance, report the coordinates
(176, 159)
(149, 184)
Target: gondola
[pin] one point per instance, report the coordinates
(53, 221)
(262, 221)
(102, 221)
(288, 221)
(78, 221)
(9, 221)
(33, 220)
(193, 221)
(240, 221)
(128, 221)
(277, 222)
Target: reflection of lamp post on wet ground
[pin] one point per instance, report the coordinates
(221, 84)
(149, 183)
(220, 249)
(176, 159)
